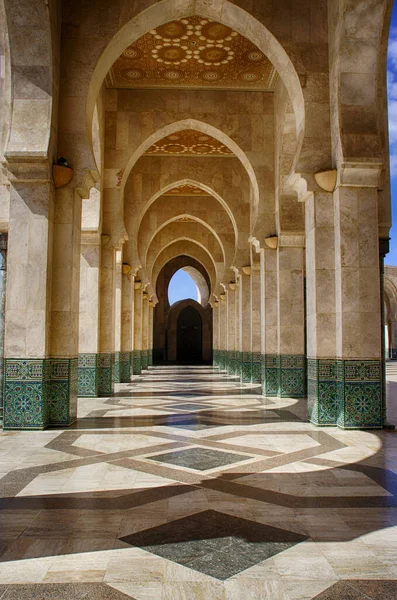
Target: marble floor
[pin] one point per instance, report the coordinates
(187, 485)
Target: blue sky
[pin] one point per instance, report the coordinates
(181, 286)
(391, 258)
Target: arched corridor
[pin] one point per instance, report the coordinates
(233, 445)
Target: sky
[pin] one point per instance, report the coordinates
(391, 258)
(180, 287)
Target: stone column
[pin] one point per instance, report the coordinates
(138, 309)
(358, 316)
(270, 356)
(145, 328)
(393, 339)
(231, 328)
(65, 302)
(246, 320)
(3, 277)
(222, 331)
(150, 334)
(291, 316)
(215, 333)
(321, 309)
(107, 317)
(127, 323)
(256, 323)
(28, 309)
(90, 261)
(117, 315)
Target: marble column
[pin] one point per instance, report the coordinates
(90, 261)
(107, 317)
(291, 316)
(28, 308)
(246, 328)
(215, 333)
(256, 323)
(138, 309)
(65, 302)
(222, 331)
(117, 316)
(321, 309)
(145, 329)
(3, 277)
(270, 356)
(231, 328)
(127, 323)
(358, 310)
(150, 334)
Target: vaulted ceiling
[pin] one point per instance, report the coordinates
(193, 53)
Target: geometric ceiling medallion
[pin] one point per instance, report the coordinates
(186, 190)
(193, 52)
(189, 142)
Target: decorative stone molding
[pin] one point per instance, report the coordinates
(359, 175)
(246, 270)
(292, 240)
(90, 237)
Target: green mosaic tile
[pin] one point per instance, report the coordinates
(270, 374)
(144, 359)
(222, 359)
(150, 358)
(292, 383)
(125, 358)
(25, 394)
(256, 369)
(136, 362)
(88, 375)
(105, 374)
(246, 367)
(322, 391)
(359, 393)
(116, 367)
(63, 389)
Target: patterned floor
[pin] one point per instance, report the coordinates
(188, 485)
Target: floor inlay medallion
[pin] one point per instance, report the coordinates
(214, 543)
(201, 459)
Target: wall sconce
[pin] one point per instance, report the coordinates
(272, 241)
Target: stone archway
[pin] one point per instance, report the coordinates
(165, 318)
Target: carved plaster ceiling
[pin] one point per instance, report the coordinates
(186, 190)
(189, 142)
(195, 53)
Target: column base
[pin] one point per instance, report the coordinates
(246, 367)
(136, 362)
(144, 359)
(116, 367)
(256, 368)
(125, 367)
(105, 374)
(359, 394)
(88, 375)
(346, 393)
(39, 393)
(322, 395)
(284, 375)
(63, 390)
